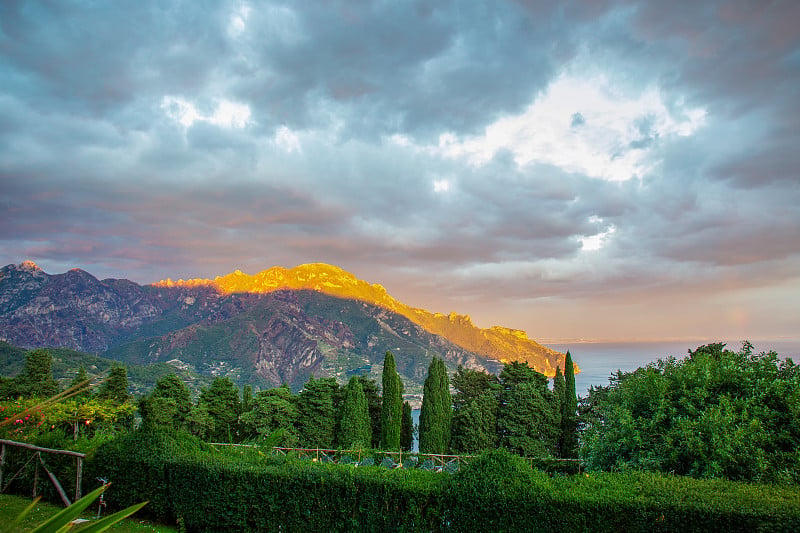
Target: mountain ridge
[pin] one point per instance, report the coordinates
(496, 342)
(279, 326)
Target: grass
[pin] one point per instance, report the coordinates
(11, 506)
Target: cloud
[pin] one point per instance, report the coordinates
(614, 126)
(491, 155)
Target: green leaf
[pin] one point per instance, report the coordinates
(110, 520)
(64, 517)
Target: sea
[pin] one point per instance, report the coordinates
(598, 360)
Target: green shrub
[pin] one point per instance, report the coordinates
(246, 489)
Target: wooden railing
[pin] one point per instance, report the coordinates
(38, 450)
(439, 461)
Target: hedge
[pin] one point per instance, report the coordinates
(250, 490)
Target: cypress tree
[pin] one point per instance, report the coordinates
(569, 417)
(407, 428)
(528, 414)
(560, 393)
(374, 402)
(437, 410)
(355, 430)
(392, 406)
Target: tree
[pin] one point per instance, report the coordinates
(407, 429)
(316, 413)
(115, 386)
(392, 407)
(247, 398)
(355, 430)
(474, 411)
(80, 380)
(375, 405)
(221, 401)
(569, 412)
(272, 410)
(168, 405)
(36, 378)
(560, 405)
(716, 413)
(200, 423)
(526, 419)
(436, 415)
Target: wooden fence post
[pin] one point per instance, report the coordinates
(78, 478)
(35, 475)
(2, 463)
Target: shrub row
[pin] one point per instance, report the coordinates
(248, 490)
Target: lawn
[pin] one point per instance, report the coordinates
(11, 506)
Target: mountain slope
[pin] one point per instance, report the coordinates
(498, 343)
(279, 326)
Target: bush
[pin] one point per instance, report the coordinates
(246, 489)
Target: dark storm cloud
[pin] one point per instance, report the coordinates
(91, 58)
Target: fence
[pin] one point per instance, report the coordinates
(430, 461)
(37, 460)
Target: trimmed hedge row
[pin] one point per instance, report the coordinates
(248, 490)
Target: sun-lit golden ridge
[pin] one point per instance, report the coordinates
(497, 342)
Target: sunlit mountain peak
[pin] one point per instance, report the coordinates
(497, 342)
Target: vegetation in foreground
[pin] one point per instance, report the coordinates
(12, 506)
(717, 415)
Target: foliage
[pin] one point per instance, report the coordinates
(36, 378)
(375, 405)
(560, 391)
(716, 413)
(569, 409)
(436, 414)
(474, 411)
(169, 404)
(115, 387)
(214, 490)
(272, 410)
(61, 521)
(316, 413)
(355, 431)
(199, 422)
(392, 406)
(407, 428)
(527, 417)
(221, 401)
(81, 378)
(72, 417)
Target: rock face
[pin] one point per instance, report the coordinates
(280, 326)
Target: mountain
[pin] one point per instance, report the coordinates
(499, 343)
(281, 325)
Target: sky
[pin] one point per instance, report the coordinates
(602, 169)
